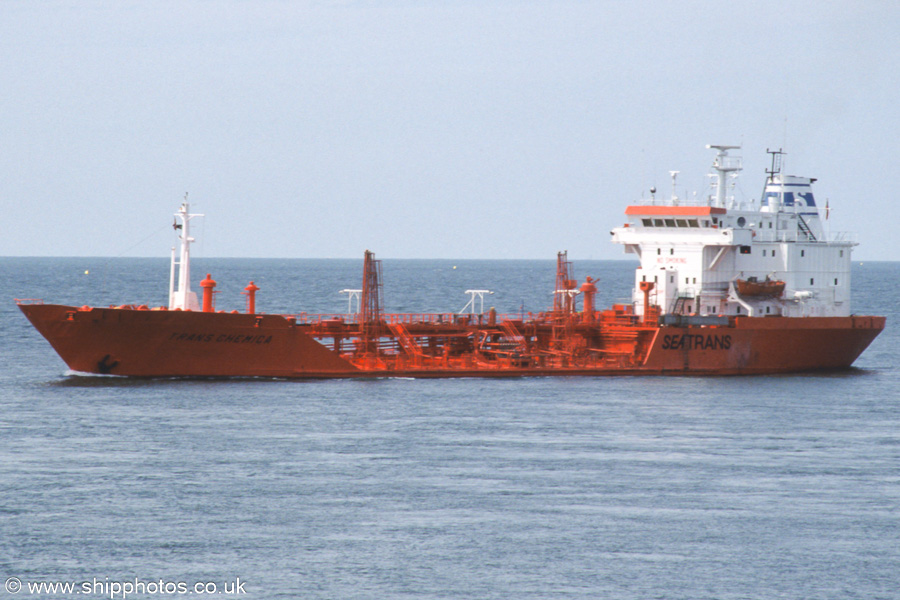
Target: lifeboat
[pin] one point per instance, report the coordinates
(752, 287)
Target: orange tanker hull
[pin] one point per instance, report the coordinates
(159, 343)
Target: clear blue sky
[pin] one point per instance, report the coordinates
(428, 129)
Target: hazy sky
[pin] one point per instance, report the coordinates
(425, 128)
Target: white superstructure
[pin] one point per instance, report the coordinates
(699, 256)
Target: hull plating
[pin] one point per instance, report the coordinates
(159, 343)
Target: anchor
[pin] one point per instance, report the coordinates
(105, 367)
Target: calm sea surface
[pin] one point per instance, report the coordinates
(619, 487)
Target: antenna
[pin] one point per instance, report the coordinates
(674, 175)
(784, 140)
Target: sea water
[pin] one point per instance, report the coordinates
(543, 488)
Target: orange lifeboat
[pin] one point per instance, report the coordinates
(752, 287)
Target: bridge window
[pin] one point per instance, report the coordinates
(681, 223)
(647, 222)
(658, 223)
(693, 223)
(670, 222)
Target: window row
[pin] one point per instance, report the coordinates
(673, 223)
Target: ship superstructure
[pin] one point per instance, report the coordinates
(730, 257)
(723, 287)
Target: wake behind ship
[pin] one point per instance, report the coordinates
(723, 287)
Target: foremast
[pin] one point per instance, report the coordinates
(181, 297)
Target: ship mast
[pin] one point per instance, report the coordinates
(724, 165)
(563, 302)
(182, 298)
(777, 157)
(371, 303)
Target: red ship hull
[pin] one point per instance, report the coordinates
(159, 343)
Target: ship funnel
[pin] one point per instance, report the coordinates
(791, 194)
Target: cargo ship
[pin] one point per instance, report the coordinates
(723, 287)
